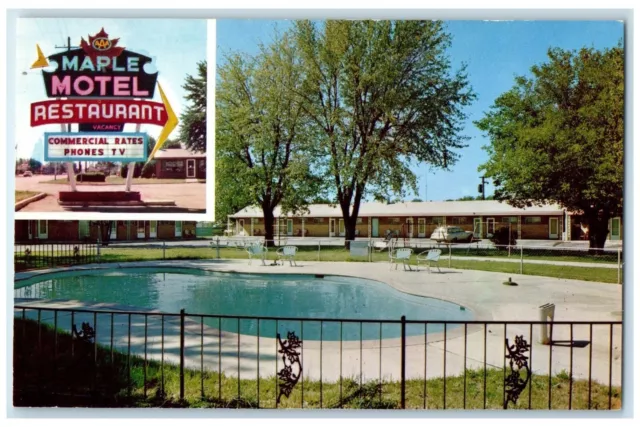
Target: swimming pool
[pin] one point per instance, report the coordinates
(257, 295)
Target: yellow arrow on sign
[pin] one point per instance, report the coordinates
(169, 126)
(41, 62)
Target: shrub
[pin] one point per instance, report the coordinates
(91, 177)
(148, 170)
(501, 237)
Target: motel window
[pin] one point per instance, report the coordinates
(202, 165)
(166, 222)
(436, 220)
(510, 219)
(359, 221)
(533, 220)
(318, 220)
(459, 220)
(173, 165)
(395, 220)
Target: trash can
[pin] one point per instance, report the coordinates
(547, 313)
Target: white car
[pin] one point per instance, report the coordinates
(451, 234)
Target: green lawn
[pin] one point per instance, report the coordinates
(73, 379)
(337, 254)
(119, 180)
(22, 195)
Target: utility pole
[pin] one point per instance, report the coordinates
(481, 187)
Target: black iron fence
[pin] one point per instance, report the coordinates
(29, 256)
(114, 358)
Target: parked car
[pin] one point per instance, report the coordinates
(27, 174)
(451, 234)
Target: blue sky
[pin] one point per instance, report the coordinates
(495, 52)
(176, 45)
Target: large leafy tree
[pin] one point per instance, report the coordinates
(557, 136)
(380, 95)
(261, 135)
(193, 122)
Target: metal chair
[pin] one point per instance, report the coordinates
(287, 253)
(401, 254)
(430, 256)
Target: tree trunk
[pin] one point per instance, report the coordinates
(598, 231)
(349, 231)
(268, 227)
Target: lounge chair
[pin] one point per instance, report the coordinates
(257, 250)
(287, 253)
(398, 255)
(428, 257)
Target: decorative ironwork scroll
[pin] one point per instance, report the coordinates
(86, 333)
(76, 251)
(290, 374)
(515, 383)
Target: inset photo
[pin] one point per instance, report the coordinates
(111, 115)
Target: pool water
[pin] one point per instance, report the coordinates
(257, 295)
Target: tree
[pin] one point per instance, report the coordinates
(417, 200)
(104, 230)
(34, 164)
(193, 127)
(380, 96)
(142, 169)
(557, 136)
(261, 139)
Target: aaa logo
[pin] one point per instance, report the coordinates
(101, 43)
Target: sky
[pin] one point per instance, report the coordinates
(495, 53)
(176, 46)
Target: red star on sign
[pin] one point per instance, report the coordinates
(100, 45)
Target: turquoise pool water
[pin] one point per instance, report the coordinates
(260, 295)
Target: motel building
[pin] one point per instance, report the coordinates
(27, 231)
(180, 163)
(419, 220)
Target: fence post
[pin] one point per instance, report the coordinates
(98, 250)
(218, 247)
(619, 267)
(521, 258)
(403, 360)
(318, 250)
(164, 248)
(449, 255)
(182, 314)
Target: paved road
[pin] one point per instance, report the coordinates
(189, 197)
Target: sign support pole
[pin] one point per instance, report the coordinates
(71, 175)
(132, 166)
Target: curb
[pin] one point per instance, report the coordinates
(21, 204)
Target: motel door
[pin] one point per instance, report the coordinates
(140, 230)
(553, 228)
(409, 224)
(615, 229)
(332, 227)
(191, 168)
(114, 231)
(374, 227)
(153, 229)
(240, 224)
(422, 230)
(341, 227)
(178, 229)
(83, 229)
(477, 228)
(289, 227)
(491, 227)
(43, 229)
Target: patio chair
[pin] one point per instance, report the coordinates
(287, 253)
(428, 257)
(257, 250)
(398, 255)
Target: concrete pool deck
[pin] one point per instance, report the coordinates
(482, 292)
